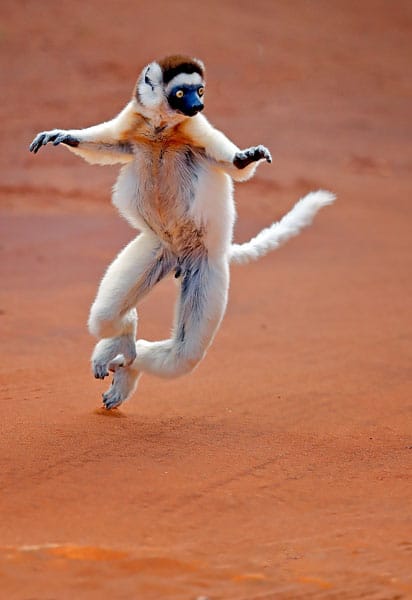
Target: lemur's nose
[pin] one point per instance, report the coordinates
(194, 109)
(197, 107)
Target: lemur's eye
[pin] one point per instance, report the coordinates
(180, 94)
(201, 91)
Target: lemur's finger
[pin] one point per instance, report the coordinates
(65, 138)
(32, 145)
(261, 152)
(59, 138)
(48, 137)
(267, 155)
(41, 140)
(36, 143)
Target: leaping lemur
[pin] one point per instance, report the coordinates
(176, 188)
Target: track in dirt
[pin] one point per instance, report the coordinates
(281, 467)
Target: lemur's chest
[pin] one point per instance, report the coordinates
(167, 174)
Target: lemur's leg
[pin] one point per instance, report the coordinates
(113, 317)
(202, 303)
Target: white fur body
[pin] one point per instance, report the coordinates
(176, 188)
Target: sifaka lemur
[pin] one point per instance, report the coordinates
(176, 188)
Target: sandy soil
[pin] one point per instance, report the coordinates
(281, 468)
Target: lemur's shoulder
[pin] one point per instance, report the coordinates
(130, 124)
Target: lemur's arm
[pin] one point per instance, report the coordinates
(100, 144)
(239, 164)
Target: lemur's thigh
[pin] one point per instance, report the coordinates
(201, 306)
(131, 275)
(200, 309)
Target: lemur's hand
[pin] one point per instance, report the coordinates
(57, 136)
(245, 157)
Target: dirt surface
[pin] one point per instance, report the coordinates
(281, 468)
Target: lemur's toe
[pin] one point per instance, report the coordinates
(100, 370)
(123, 385)
(112, 398)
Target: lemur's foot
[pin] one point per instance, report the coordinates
(111, 353)
(123, 385)
(57, 136)
(245, 157)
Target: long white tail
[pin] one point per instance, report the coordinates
(278, 233)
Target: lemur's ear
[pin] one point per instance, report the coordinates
(149, 88)
(147, 78)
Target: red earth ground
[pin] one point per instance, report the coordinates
(281, 468)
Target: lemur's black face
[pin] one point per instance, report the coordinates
(187, 99)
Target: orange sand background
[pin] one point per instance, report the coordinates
(281, 468)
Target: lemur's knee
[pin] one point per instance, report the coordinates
(105, 323)
(101, 327)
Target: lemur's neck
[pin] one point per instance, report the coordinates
(160, 118)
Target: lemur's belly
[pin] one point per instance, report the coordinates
(167, 192)
(164, 198)
(179, 196)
